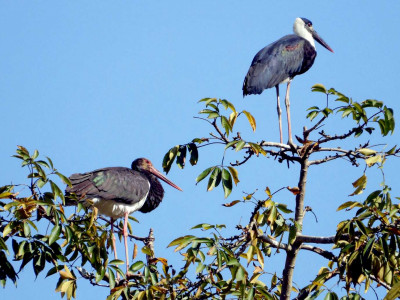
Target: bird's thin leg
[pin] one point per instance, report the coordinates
(278, 108)
(287, 102)
(113, 239)
(126, 241)
(113, 242)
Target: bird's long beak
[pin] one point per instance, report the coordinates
(163, 178)
(320, 40)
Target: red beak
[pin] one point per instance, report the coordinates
(163, 178)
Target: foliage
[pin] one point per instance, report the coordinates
(36, 231)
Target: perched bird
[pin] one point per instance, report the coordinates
(117, 192)
(281, 61)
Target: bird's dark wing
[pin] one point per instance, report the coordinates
(287, 57)
(119, 184)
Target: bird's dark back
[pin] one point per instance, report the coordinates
(116, 183)
(287, 57)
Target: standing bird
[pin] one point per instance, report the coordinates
(280, 61)
(117, 192)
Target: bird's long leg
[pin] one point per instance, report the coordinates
(113, 238)
(126, 241)
(278, 108)
(287, 103)
(113, 242)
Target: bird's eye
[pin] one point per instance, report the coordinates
(309, 24)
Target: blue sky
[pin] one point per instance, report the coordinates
(99, 83)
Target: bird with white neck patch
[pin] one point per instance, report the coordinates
(280, 62)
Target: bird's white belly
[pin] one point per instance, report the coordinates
(115, 209)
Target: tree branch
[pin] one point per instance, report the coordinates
(316, 239)
(327, 254)
(291, 255)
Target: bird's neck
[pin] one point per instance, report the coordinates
(155, 196)
(301, 31)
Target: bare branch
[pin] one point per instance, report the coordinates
(223, 137)
(306, 132)
(274, 243)
(316, 239)
(327, 254)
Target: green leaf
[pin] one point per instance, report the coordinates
(360, 185)
(331, 296)
(50, 162)
(235, 175)
(231, 143)
(99, 275)
(362, 227)
(283, 208)
(183, 239)
(64, 178)
(200, 267)
(292, 234)
(169, 158)
(56, 191)
(27, 229)
(204, 174)
(116, 262)
(137, 266)
(3, 245)
(251, 119)
(391, 151)
(215, 179)
(227, 126)
(111, 277)
(347, 111)
(213, 115)
(350, 205)
(366, 151)
(240, 145)
(240, 274)
(203, 225)
(368, 247)
(232, 118)
(40, 183)
(54, 270)
(226, 182)
(55, 233)
(35, 154)
(319, 88)
(207, 111)
(312, 115)
(228, 104)
(181, 157)
(194, 154)
(208, 100)
(327, 111)
(373, 160)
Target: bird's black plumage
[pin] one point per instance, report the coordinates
(119, 190)
(287, 57)
(118, 184)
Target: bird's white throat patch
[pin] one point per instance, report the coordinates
(299, 28)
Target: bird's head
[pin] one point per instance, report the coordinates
(303, 27)
(143, 165)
